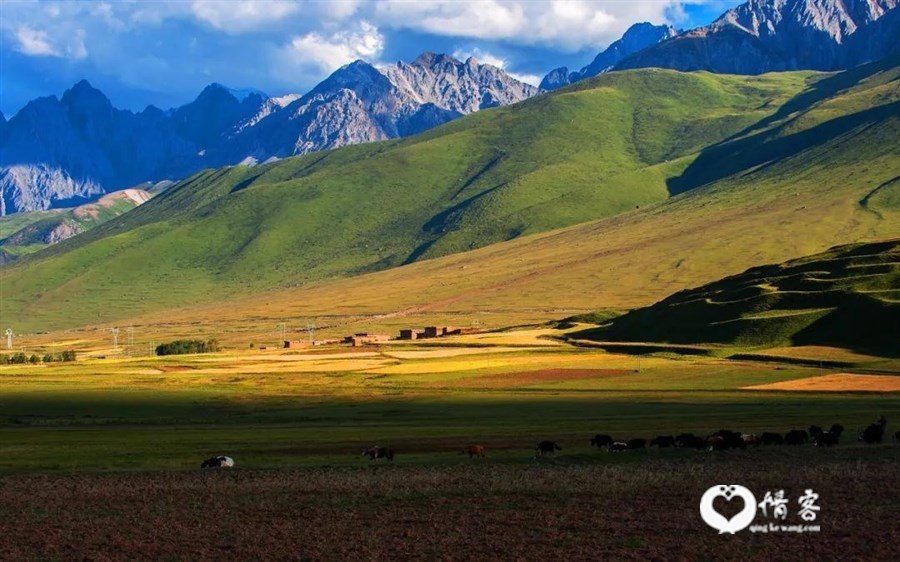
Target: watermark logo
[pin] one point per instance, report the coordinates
(718, 521)
(774, 507)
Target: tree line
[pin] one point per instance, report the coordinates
(181, 347)
(21, 358)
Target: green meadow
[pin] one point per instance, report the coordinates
(268, 409)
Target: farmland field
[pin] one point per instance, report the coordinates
(275, 408)
(116, 441)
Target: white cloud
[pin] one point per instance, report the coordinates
(328, 52)
(565, 24)
(36, 42)
(239, 16)
(532, 79)
(483, 57)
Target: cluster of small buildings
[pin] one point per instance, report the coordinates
(434, 332)
(364, 338)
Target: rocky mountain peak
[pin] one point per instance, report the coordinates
(777, 35)
(638, 37)
(454, 85)
(84, 97)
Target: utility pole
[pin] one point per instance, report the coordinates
(9, 335)
(282, 326)
(311, 330)
(115, 335)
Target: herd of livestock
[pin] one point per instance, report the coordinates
(719, 441)
(725, 439)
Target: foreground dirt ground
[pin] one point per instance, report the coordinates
(546, 510)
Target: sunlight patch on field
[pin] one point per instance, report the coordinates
(529, 378)
(819, 353)
(537, 337)
(838, 382)
(449, 352)
(518, 362)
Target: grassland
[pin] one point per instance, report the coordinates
(272, 408)
(848, 297)
(102, 455)
(552, 161)
(26, 233)
(837, 189)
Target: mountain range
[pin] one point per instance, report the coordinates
(63, 152)
(756, 37)
(60, 152)
(612, 192)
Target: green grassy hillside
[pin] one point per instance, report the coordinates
(596, 149)
(847, 297)
(552, 161)
(26, 233)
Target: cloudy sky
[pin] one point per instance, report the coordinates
(165, 51)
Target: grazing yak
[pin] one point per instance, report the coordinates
(636, 443)
(546, 448)
(750, 439)
(474, 451)
(770, 438)
(814, 430)
(796, 437)
(218, 462)
(875, 432)
(601, 441)
(825, 439)
(690, 441)
(378, 452)
(663, 441)
(618, 446)
(725, 439)
(836, 429)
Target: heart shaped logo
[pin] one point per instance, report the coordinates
(716, 520)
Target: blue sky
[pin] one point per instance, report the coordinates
(163, 52)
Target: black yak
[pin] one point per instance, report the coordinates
(637, 443)
(875, 432)
(601, 440)
(691, 441)
(378, 452)
(796, 437)
(546, 448)
(218, 462)
(770, 438)
(662, 441)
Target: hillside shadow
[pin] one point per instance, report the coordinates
(741, 152)
(764, 149)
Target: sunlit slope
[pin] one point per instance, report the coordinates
(848, 297)
(25, 233)
(608, 146)
(833, 190)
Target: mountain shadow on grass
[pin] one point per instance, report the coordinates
(847, 297)
(751, 153)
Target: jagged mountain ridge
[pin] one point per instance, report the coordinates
(62, 152)
(779, 35)
(637, 38)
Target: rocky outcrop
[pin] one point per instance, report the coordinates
(462, 87)
(779, 35)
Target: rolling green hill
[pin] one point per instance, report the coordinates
(846, 297)
(26, 233)
(600, 148)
